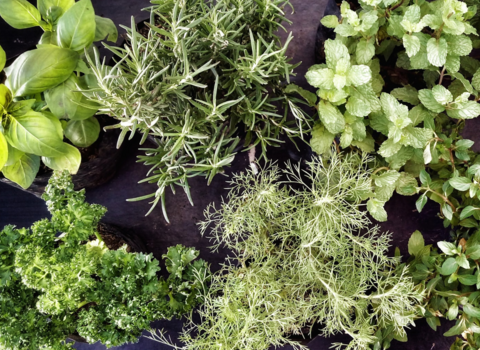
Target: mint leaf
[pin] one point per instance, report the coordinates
(460, 183)
(462, 261)
(447, 247)
(376, 209)
(441, 94)
(406, 184)
(367, 94)
(471, 310)
(476, 80)
(358, 107)
(380, 123)
(437, 51)
(420, 203)
(416, 243)
(447, 211)
(453, 63)
(320, 78)
(347, 137)
(330, 21)
(467, 212)
(310, 97)
(406, 94)
(389, 148)
(365, 51)
(464, 110)
(334, 51)
(322, 139)
(359, 75)
(387, 178)
(331, 117)
(412, 44)
(468, 280)
(418, 114)
(460, 45)
(429, 101)
(366, 145)
(449, 266)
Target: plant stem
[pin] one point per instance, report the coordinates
(428, 189)
(380, 169)
(98, 236)
(441, 76)
(452, 159)
(396, 6)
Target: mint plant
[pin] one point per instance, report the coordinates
(451, 276)
(53, 286)
(303, 255)
(206, 73)
(40, 102)
(398, 82)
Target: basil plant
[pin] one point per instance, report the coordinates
(40, 102)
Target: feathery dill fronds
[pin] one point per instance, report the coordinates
(304, 254)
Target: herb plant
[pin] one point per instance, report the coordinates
(451, 276)
(398, 82)
(206, 74)
(54, 285)
(40, 103)
(304, 255)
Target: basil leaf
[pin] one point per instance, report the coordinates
(20, 14)
(34, 133)
(3, 150)
(5, 98)
(76, 28)
(44, 5)
(64, 102)
(17, 109)
(56, 123)
(13, 155)
(70, 160)
(3, 58)
(23, 172)
(105, 28)
(48, 38)
(41, 69)
(83, 133)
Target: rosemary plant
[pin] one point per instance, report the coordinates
(203, 70)
(304, 255)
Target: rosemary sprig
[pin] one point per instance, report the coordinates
(205, 70)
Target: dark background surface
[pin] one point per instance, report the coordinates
(22, 209)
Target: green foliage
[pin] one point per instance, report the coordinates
(303, 254)
(205, 72)
(56, 285)
(42, 87)
(417, 113)
(451, 277)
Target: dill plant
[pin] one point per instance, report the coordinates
(304, 254)
(205, 71)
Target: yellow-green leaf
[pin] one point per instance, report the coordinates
(23, 172)
(20, 14)
(3, 150)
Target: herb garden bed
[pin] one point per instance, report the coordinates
(158, 235)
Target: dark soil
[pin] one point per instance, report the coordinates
(111, 240)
